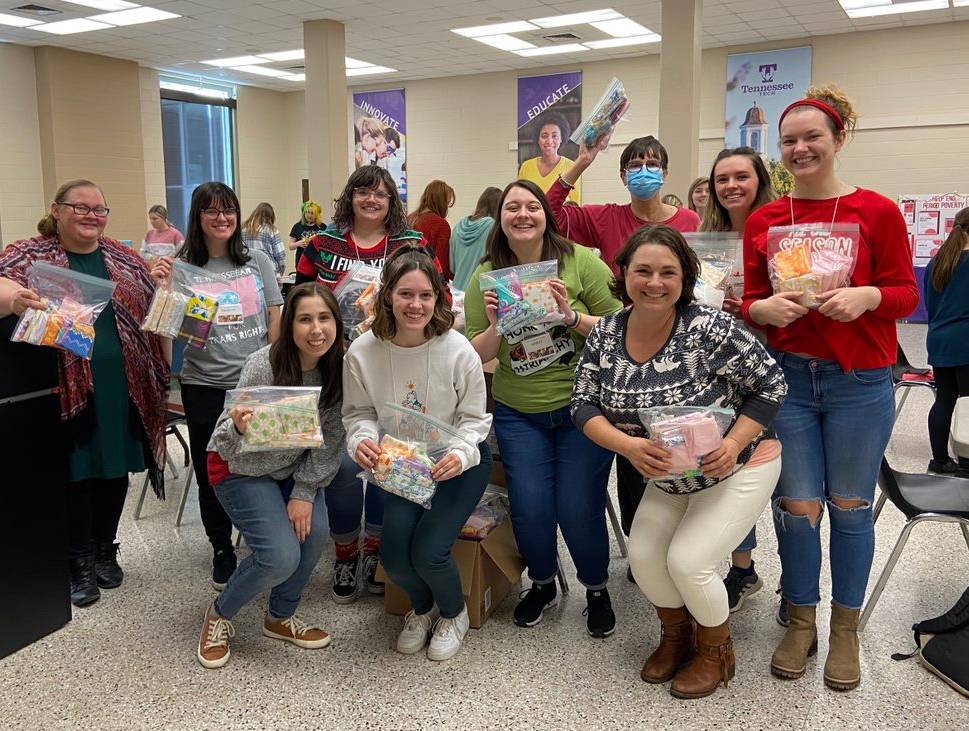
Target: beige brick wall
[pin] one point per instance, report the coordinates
(151, 141)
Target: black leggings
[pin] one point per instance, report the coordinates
(950, 384)
(94, 511)
(630, 486)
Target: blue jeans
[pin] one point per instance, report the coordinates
(749, 543)
(557, 478)
(347, 501)
(257, 507)
(834, 427)
(416, 547)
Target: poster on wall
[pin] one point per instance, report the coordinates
(380, 133)
(549, 109)
(929, 219)
(760, 86)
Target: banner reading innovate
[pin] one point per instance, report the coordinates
(549, 108)
(379, 133)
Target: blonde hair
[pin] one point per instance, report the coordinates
(834, 96)
(47, 226)
(371, 126)
(262, 215)
(689, 193)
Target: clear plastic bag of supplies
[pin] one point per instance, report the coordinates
(457, 307)
(408, 457)
(283, 417)
(73, 301)
(812, 258)
(357, 296)
(524, 295)
(491, 511)
(156, 250)
(688, 432)
(721, 259)
(184, 310)
(611, 107)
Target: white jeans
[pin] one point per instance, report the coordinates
(677, 542)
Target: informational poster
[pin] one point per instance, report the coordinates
(929, 219)
(380, 133)
(549, 109)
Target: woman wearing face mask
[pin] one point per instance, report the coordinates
(552, 131)
(837, 359)
(557, 478)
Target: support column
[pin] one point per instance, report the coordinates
(679, 91)
(327, 113)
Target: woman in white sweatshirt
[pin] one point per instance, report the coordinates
(411, 357)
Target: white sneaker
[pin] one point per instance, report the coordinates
(417, 627)
(448, 636)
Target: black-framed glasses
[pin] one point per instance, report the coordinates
(213, 213)
(367, 192)
(635, 167)
(82, 210)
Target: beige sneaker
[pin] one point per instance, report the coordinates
(213, 650)
(295, 630)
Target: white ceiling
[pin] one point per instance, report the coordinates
(414, 36)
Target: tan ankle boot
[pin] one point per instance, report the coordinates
(800, 642)
(714, 661)
(675, 645)
(842, 670)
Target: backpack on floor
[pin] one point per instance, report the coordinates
(945, 651)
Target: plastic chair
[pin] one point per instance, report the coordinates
(921, 498)
(905, 377)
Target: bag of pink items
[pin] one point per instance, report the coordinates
(812, 258)
(690, 433)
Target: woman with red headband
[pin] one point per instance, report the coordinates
(835, 338)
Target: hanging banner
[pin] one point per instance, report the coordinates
(379, 133)
(549, 108)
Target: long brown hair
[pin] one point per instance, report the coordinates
(211, 195)
(409, 258)
(689, 193)
(47, 226)
(262, 215)
(715, 215)
(947, 258)
(284, 353)
(554, 245)
(658, 234)
(437, 197)
(487, 206)
(370, 176)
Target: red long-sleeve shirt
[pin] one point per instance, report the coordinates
(606, 226)
(884, 261)
(437, 231)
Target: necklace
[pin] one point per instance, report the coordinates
(356, 248)
(833, 215)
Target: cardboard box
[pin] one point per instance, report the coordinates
(489, 569)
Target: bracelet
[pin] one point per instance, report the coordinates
(575, 320)
(567, 185)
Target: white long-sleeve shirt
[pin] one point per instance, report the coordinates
(442, 378)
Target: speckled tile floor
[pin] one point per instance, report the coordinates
(128, 662)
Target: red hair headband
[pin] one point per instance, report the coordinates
(830, 111)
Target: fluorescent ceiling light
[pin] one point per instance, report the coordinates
(518, 26)
(284, 55)
(506, 42)
(104, 4)
(853, 4)
(366, 71)
(617, 42)
(352, 63)
(236, 61)
(17, 22)
(135, 16)
(621, 28)
(198, 90)
(898, 8)
(65, 27)
(551, 50)
(960, 3)
(593, 16)
(261, 71)
(295, 77)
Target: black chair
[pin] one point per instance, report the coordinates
(921, 498)
(903, 368)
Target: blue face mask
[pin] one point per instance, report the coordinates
(644, 183)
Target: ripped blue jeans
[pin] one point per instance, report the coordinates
(834, 427)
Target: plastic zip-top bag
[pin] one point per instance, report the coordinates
(721, 260)
(690, 433)
(283, 417)
(606, 114)
(812, 258)
(156, 250)
(408, 457)
(524, 295)
(183, 310)
(73, 301)
(457, 307)
(357, 296)
(491, 511)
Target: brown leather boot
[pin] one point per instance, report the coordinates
(675, 645)
(842, 670)
(800, 642)
(714, 661)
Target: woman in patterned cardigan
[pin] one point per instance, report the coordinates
(667, 350)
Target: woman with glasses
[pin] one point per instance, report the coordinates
(213, 242)
(113, 404)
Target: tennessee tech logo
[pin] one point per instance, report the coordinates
(767, 72)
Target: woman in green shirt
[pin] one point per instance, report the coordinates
(557, 478)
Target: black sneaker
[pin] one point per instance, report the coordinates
(533, 602)
(344, 590)
(782, 617)
(223, 565)
(739, 587)
(600, 619)
(370, 561)
(107, 571)
(84, 586)
(943, 468)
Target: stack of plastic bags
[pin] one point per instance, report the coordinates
(721, 266)
(182, 310)
(811, 259)
(283, 417)
(356, 294)
(524, 295)
(689, 433)
(611, 107)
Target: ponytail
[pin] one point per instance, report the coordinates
(47, 226)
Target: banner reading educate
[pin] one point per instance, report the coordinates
(380, 133)
(549, 108)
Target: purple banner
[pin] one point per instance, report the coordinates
(537, 94)
(380, 133)
(549, 108)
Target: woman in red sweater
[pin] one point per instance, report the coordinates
(430, 219)
(836, 353)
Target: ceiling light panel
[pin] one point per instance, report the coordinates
(898, 8)
(295, 55)
(853, 4)
(66, 27)
(621, 28)
(619, 42)
(593, 16)
(352, 63)
(105, 5)
(553, 50)
(236, 61)
(295, 77)
(367, 71)
(17, 22)
(505, 42)
(261, 71)
(135, 16)
(518, 26)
